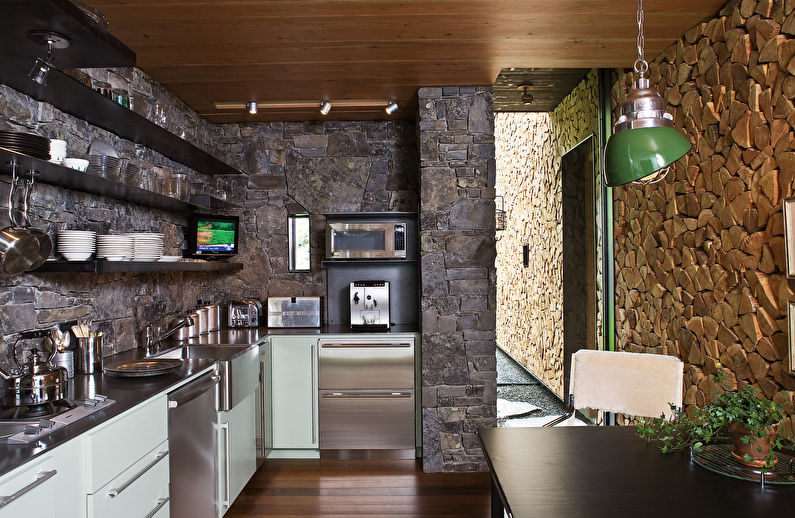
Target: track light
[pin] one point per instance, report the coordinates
(325, 107)
(391, 108)
(252, 107)
(40, 71)
(41, 68)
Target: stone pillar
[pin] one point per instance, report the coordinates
(459, 378)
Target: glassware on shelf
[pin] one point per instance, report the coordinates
(121, 96)
(199, 189)
(103, 88)
(157, 177)
(177, 186)
(219, 193)
(141, 104)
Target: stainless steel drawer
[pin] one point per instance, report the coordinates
(366, 364)
(366, 420)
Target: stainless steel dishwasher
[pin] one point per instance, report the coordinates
(193, 443)
(366, 394)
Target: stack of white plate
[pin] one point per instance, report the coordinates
(76, 245)
(114, 247)
(147, 247)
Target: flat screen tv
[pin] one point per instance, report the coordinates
(210, 236)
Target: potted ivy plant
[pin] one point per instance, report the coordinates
(750, 421)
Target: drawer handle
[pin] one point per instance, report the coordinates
(366, 395)
(116, 492)
(227, 501)
(159, 506)
(42, 478)
(369, 345)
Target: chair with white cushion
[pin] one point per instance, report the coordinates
(637, 384)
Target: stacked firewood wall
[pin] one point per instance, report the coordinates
(529, 147)
(700, 257)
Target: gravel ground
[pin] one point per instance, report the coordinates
(514, 383)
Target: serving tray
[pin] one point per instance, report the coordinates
(142, 368)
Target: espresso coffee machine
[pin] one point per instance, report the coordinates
(369, 303)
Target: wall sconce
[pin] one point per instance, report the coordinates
(391, 108)
(41, 67)
(252, 107)
(644, 143)
(325, 108)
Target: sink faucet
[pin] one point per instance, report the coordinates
(150, 344)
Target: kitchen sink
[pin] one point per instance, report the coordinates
(238, 366)
(196, 352)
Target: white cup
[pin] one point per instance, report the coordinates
(57, 151)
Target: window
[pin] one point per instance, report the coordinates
(298, 242)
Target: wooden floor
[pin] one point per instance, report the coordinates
(375, 488)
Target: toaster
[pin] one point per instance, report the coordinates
(244, 313)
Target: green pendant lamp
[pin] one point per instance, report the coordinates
(644, 142)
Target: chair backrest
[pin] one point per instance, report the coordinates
(638, 384)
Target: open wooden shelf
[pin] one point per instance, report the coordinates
(101, 266)
(53, 174)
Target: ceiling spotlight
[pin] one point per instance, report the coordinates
(41, 67)
(325, 107)
(40, 71)
(252, 107)
(391, 108)
(527, 97)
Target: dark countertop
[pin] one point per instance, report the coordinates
(243, 335)
(127, 392)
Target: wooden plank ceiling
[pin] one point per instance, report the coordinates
(209, 51)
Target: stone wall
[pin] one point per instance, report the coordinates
(530, 300)
(459, 391)
(314, 167)
(700, 257)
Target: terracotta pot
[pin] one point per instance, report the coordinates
(737, 431)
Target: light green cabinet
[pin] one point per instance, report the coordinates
(52, 485)
(237, 450)
(294, 407)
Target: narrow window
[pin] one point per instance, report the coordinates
(298, 230)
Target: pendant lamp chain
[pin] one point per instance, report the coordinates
(641, 66)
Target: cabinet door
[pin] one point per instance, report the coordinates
(237, 449)
(294, 392)
(50, 486)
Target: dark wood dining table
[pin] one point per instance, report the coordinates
(607, 471)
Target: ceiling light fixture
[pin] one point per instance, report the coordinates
(527, 97)
(41, 67)
(390, 106)
(644, 143)
(252, 107)
(325, 107)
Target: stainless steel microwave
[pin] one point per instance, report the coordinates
(366, 240)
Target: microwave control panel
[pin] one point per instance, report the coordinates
(400, 237)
